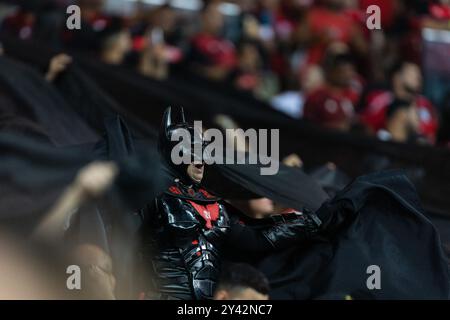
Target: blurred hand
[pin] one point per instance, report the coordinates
(57, 65)
(94, 179)
(293, 160)
(91, 182)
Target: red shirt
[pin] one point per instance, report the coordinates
(327, 107)
(214, 50)
(374, 114)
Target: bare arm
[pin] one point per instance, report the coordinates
(91, 182)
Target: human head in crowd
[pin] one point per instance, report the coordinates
(212, 20)
(164, 18)
(241, 281)
(211, 54)
(332, 105)
(402, 122)
(250, 64)
(311, 78)
(406, 79)
(250, 58)
(259, 208)
(116, 42)
(339, 69)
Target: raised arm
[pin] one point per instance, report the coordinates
(91, 182)
(282, 231)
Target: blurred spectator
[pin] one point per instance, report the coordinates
(241, 281)
(292, 101)
(211, 54)
(332, 105)
(166, 19)
(154, 60)
(406, 84)
(251, 75)
(306, 58)
(402, 122)
(157, 41)
(256, 208)
(115, 42)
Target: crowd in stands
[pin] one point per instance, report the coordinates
(311, 59)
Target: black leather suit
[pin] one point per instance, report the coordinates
(185, 230)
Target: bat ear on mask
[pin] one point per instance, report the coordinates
(174, 122)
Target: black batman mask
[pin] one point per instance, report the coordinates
(190, 146)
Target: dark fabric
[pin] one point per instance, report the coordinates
(330, 179)
(81, 94)
(376, 220)
(34, 174)
(290, 186)
(92, 103)
(380, 218)
(41, 103)
(146, 99)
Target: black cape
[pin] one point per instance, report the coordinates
(376, 220)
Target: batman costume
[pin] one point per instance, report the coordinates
(186, 227)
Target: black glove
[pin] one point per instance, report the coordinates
(292, 228)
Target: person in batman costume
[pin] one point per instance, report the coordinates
(186, 227)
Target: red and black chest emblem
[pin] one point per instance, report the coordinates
(208, 211)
